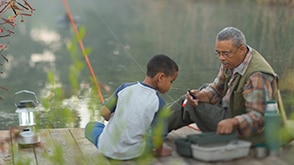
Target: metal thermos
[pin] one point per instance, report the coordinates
(272, 120)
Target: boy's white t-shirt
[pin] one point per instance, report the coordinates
(135, 106)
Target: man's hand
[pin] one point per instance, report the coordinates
(227, 126)
(200, 97)
(191, 99)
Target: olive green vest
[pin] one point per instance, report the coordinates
(257, 64)
(237, 102)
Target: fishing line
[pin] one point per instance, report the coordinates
(120, 43)
(122, 46)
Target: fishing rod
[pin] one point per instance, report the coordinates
(71, 19)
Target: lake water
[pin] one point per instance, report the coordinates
(124, 34)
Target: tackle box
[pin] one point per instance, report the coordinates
(210, 137)
(221, 151)
(210, 146)
(183, 147)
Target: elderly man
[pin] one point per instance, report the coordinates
(237, 98)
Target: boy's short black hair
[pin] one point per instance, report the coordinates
(161, 63)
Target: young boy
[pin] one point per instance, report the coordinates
(132, 112)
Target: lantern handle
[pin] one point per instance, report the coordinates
(28, 92)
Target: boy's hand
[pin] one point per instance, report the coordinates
(105, 112)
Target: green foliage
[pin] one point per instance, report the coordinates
(287, 132)
(57, 156)
(23, 161)
(160, 126)
(93, 105)
(76, 65)
(56, 114)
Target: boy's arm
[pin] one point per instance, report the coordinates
(109, 107)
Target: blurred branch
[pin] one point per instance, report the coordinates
(10, 10)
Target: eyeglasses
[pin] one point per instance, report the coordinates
(224, 53)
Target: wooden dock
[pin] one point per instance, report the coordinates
(68, 146)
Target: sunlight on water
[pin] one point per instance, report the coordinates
(46, 56)
(44, 35)
(81, 106)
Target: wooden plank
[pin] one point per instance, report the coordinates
(5, 148)
(288, 153)
(174, 159)
(93, 156)
(66, 147)
(46, 152)
(89, 151)
(22, 155)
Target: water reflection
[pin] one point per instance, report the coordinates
(46, 56)
(8, 120)
(64, 22)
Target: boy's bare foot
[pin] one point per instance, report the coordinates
(164, 150)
